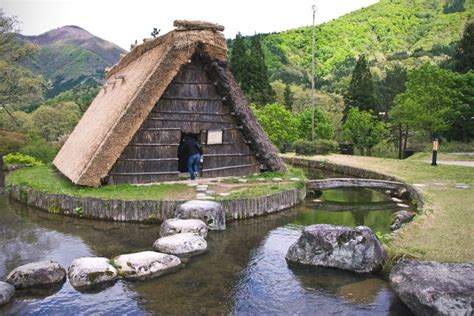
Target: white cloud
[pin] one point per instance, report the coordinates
(122, 22)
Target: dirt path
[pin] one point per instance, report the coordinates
(453, 163)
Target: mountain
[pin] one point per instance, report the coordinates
(409, 32)
(70, 56)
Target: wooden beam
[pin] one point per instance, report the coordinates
(146, 160)
(143, 173)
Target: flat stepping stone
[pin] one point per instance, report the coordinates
(403, 205)
(202, 186)
(261, 179)
(209, 212)
(224, 194)
(41, 273)
(205, 197)
(277, 179)
(201, 194)
(6, 292)
(396, 200)
(317, 200)
(295, 179)
(210, 192)
(201, 189)
(175, 226)
(192, 184)
(90, 271)
(145, 265)
(182, 245)
(419, 185)
(242, 180)
(462, 186)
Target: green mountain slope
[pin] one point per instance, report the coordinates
(70, 56)
(391, 31)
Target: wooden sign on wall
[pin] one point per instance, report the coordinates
(215, 137)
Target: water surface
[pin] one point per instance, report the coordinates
(244, 271)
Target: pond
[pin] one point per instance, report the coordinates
(243, 272)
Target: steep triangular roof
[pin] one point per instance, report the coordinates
(132, 88)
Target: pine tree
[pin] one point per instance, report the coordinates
(262, 92)
(361, 89)
(288, 97)
(239, 60)
(464, 56)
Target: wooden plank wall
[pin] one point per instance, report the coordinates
(190, 104)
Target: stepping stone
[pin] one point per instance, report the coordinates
(396, 200)
(209, 212)
(6, 292)
(224, 194)
(419, 185)
(317, 201)
(277, 179)
(202, 186)
(41, 273)
(439, 184)
(175, 226)
(200, 194)
(146, 264)
(90, 271)
(182, 245)
(198, 189)
(192, 184)
(205, 197)
(210, 192)
(261, 179)
(462, 186)
(242, 180)
(295, 179)
(403, 205)
(256, 174)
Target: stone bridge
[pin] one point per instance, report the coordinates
(337, 183)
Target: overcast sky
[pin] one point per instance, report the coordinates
(123, 21)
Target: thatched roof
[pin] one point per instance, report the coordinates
(132, 88)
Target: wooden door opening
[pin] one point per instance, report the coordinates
(182, 152)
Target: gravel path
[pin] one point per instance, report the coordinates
(453, 163)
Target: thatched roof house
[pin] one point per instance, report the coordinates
(173, 85)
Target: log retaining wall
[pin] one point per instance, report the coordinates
(148, 210)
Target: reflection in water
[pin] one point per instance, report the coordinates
(243, 272)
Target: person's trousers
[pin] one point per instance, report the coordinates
(193, 165)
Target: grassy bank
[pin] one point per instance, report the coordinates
(443, 232)
(442, 156)
(46, 179)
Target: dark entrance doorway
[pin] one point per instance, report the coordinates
(182, 152)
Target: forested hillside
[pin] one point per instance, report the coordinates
(70, 56)
(406, 31)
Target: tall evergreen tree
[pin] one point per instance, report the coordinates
(239, 62)
(464, 56)
(288, 98)
(262, 92)
(392, 85)
(361, 89)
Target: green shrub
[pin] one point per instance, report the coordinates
(40, 150)
(318, 147)
(451, 147)
(20, 159)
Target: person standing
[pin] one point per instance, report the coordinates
(193, 151)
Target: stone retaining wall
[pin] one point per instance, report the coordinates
(148, 210)
(355, 172)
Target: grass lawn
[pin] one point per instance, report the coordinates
(442, 156)
(46, 179)
(444, 231)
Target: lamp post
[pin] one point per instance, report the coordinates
(434, 157)
(313, 8)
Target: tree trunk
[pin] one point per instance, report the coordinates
(400, 141)
(405, 141)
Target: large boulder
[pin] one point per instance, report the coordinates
(6, 292)
(211, 213)
(146, 264)
(174, 226)
(349, 248)
(182, 245)
(87, 272)
(435, 288)
(41, 273)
